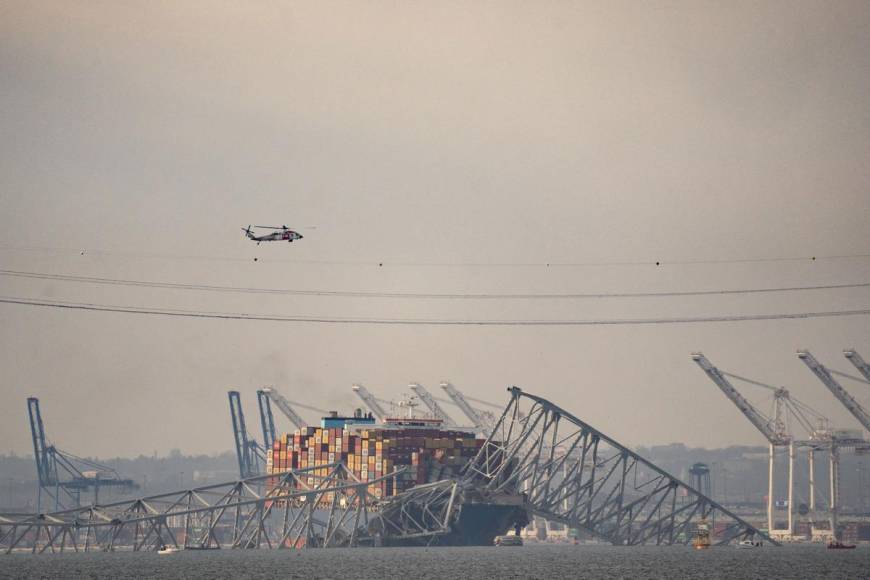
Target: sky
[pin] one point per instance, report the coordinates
(451, 147)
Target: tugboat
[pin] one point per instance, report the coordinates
(702, 536)
(508, 540)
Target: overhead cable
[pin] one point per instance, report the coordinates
(422, 322)
(399, 263)
(419, 295)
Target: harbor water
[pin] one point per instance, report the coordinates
(530, 561)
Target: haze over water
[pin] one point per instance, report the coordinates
(464, 146)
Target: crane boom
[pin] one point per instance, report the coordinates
(749, 411)
(468, 410)
(859, 363)
(246, 448)
(267, 420)
(41, 452)
(824, 375)
(62, 475)
(433, 405)
(285, 407)
(370, 402)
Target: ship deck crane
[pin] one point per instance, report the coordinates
(432, 404)
(63, 476)
(370, 401)
(776, 432)
(287, 407)
(248, 451)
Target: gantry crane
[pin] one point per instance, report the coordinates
(859, 363)
(370, 401)
(825, 375)
(775, 430)
(267, 420)
(287, 407)
(842, 395)
(481, 420)
(248, 452)
(432, 404)
(63, 476)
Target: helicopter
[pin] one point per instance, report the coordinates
(280, 234)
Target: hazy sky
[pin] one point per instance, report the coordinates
(420, 135)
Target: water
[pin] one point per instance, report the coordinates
(530, 561)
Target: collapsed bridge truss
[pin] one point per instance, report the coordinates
(574, 474)
(314, 507)
(563, 469)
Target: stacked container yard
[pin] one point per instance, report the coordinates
(425, 451)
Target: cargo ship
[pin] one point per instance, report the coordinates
(422, 449)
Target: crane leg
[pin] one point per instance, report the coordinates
(770, 459)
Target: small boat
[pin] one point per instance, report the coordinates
(167, 550)
(840, 546)
(748, 544)
(701, 540)
(508, 541)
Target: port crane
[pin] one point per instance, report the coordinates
(248, 452)
(482, 420)
(287, 407)
(776, 430)
(370, 401)
(826, 377)
(267, 419)
(432, 404)
(62, 476)
(859, 363)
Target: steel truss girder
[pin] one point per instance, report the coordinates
(324, 506)
(573, 474)
(424, 511)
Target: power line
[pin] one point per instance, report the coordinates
(399, 263)
(415, 295)
(420, 322)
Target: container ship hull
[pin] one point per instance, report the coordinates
(478, 524)
(397, 457)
